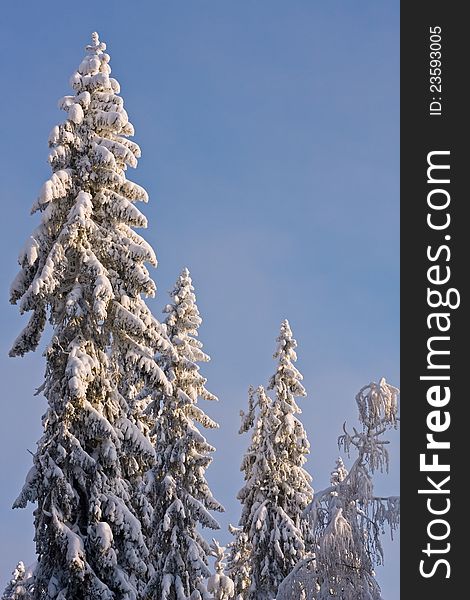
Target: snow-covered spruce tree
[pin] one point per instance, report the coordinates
(277, 489)
(238, 567)
(20, 585)
(220, 585)
(177, 486)
(290, 439)
(83, 268)
(346, 518)
(248, 557)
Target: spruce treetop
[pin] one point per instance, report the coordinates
(182, 322)
(219, 584)
(340, 472)
(84, 261)
(287, 380)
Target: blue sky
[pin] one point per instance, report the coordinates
(269, 134)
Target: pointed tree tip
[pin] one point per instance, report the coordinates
(286, 329)
(96, 46)
(285, 324)
(184, 278)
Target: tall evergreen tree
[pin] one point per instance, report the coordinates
(83, 268)
(347, 518)
(277, 488)
(177, 486)
(290, 439)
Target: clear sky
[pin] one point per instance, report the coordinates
(269, 132)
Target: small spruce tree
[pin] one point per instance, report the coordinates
(219, 584)
(20, 585)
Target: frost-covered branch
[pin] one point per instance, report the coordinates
(346, 518)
